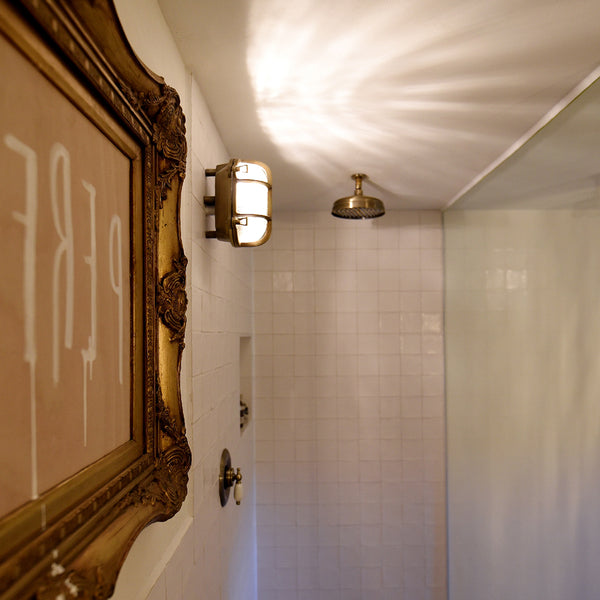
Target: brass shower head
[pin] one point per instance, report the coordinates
(358, 206)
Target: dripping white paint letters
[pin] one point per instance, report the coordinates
(59, 155)
(89, 354)
(29, 220)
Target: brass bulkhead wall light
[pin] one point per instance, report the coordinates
(242, 202)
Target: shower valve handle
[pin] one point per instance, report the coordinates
(238, 492)
(228, 478)
(235, 479)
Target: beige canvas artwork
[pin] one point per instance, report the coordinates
(64, 291)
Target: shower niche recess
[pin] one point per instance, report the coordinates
(245, 381)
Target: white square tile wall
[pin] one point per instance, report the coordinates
(350, 480)
(217, 557)
(206, 551)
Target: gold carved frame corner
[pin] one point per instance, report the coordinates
(95, 515)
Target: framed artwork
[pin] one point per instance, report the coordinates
(92, 299)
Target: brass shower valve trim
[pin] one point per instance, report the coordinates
(228, 478)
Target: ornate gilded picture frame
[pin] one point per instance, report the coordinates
(92, 299)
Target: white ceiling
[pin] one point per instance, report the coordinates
(420, 95)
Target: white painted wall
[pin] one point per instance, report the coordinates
(205, 551)
(523, 364)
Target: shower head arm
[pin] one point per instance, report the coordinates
(358, 177)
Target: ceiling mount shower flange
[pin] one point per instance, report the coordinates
(358, 206)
